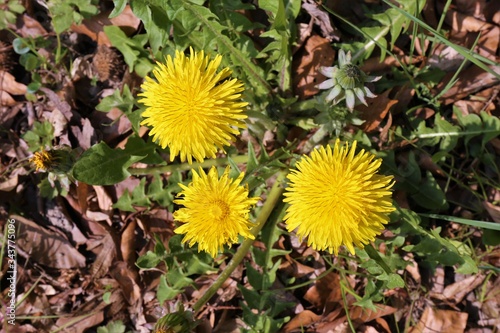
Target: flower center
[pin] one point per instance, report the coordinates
(352, 71)
(219, 210)
(343, 197)
(350, 76)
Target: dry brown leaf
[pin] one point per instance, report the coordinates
(303, 319)
(45, 247)
(9, 184)
(60, 104)
(493, 210)
(317, 52)
(376, 111)
(103, 199)
(6, 99)
(474, 8)
(127, 244)
(82, 191)
(322, 19)
(491, 304)
(492, 11)
(455, 292)
(446, 321)
(461, 22)
(368, 329)
(366, 315)
(438, 281)
(93, 27)
(468, 107)
(471, 80)
(374, 65)
(292, 267)
(334, 322)
(85, 136)
(12, 181)
(127, 278)
(403, 94)
(446, 58)
(115, 124)
(325, 291)
(79, 324)
(487, 45)
(412, 268)
(31, 27)
(9, 84)
(105, 255)
(57, 216)
(383, 323)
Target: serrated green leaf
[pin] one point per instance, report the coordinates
(163, 195)
(252, 159)
(430, 195)
(492, 127)
(137, 198)
(395, 281)
(468, 267)
(124, 203)
(165, 292)
(155, 20)
(177, 279)
(199, 264)
(119, 7)
(449, 134)
(124, 101)
(66, 12)
(252, 297)
(234, 170)
(149, 260)
(101, 165)
(255, 278)
(46, 189)
(40, 136)
(124, 44)
(112, 327)
(138, 147)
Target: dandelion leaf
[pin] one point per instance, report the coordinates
(101, 165)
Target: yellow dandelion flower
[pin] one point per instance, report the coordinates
(336, 198)
(215, 211)
(42, 160)
(192, 108)
(55, 160)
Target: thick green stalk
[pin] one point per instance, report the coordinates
(186, 166)
(272, 200)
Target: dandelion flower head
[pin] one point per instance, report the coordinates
(58, 160)
(216, 210)
(42, 160)
(193, 108)
(346, 81)
(337, 198)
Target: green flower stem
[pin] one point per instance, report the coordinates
(271, 201)
(186, 166)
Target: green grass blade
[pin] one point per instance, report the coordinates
(474, 223)
(475, 58)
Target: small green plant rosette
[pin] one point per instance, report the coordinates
(346, 81)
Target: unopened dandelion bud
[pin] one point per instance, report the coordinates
(346, 81)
